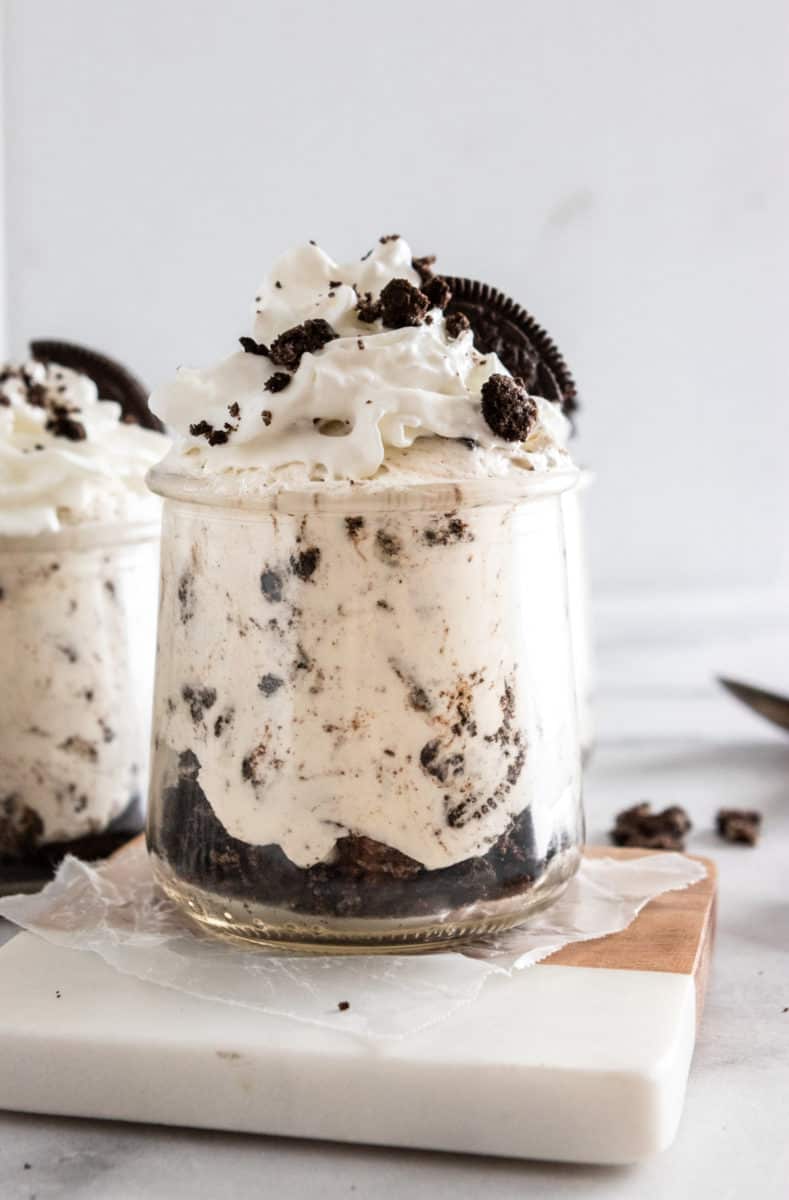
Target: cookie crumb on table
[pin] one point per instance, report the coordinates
(639, 826)
(739, 825)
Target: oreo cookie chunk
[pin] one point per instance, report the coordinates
(287, 350)
(741, 825)
(502, 327)
(640, 826)
(508, 408)
(113, 381)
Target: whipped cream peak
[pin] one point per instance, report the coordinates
(66, 456)
(347, 363)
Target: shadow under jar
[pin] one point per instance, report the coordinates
(365, 734)
(77, 634)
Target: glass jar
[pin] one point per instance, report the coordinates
(77, 638)
(580, 608)
(365, 733)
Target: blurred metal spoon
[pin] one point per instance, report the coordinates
(773, 707)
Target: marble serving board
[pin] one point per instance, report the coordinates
(583, 1058)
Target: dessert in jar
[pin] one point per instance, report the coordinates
(79, 536)
(365, 732)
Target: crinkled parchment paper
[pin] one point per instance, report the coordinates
(114, 910)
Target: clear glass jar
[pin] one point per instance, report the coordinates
(580, 608)
(364, 722)
(77, 639)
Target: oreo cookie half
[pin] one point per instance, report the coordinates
(113, 381)
(500, 326)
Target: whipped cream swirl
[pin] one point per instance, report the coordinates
(351, 408)
(66, 457)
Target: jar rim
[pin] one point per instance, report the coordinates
(355, 497)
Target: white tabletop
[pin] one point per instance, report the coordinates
(666, 734)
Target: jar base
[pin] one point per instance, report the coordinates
(270, 928)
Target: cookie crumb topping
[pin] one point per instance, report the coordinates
(214, 437)
(508, 408)
(252, 347)
(424, 266)
(438, 291)
(368, 310)
(277, 382)
(63, 425)
(402, 304)
(287, 350)
(456, 323)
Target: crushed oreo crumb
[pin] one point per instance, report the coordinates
(269, 684)
(448, 532)
(353, 527)
(287, 349)
(265, 416)
(455, 324)
(739, 825)
(343, 1006)
(223, 722)
(252, 347)
(198, 699)
(234, 410)
(438, 291)
(508, 408)
(424, 266)
(389, 546)
(639, 826)
(335, 283)
(214, 437)
(277, 382)
(271, 585)
(368, 310)
(403, 305)
(62, 425)
(388, 237)
(305, 564)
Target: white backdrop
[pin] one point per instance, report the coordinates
(619, 166)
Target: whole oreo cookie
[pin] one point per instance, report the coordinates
(112, 380)
(502, 327)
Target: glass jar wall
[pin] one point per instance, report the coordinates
(365, 733)
(77, 638)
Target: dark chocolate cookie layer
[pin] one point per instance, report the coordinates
(365, 878)
(502, 327)
(28, 867)
(114, 381)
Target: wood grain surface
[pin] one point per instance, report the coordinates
(673, 933)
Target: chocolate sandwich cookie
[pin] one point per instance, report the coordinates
(502, 327)
(113, 381)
